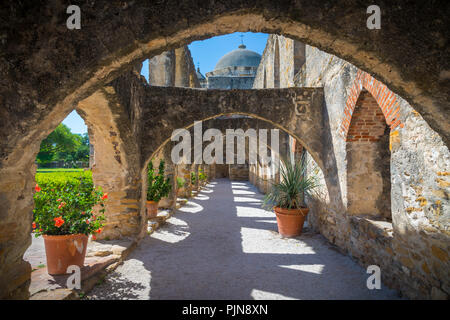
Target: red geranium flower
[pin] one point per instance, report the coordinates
(34, 225)
(59, 200)
(105, 196)
(99, 230)
(87, 221)
(37, 188)
(58, 221)
(94, 237)
(83, 213)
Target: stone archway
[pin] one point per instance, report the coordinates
(44, 79)
(368, 161)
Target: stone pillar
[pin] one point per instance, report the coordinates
(196, 187)
(182, 68)
(169, 172)
(91, 150)
(161, 69)
(16, 203)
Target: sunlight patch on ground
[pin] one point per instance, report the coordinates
(201, 197)
(191, 207)
(265, 241)
(312, 268)
(245, 199)
(132, 283)
(242, 211)
(240, 188)
(240, 191)
(267, 221)
(265, 295)
(175, 231)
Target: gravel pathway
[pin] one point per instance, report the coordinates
(222, 245)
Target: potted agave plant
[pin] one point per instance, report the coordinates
(64, 215)
(287, 197)
(157, 187)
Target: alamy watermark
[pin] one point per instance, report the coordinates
(374, 281)
(213, 153)
(374, 20)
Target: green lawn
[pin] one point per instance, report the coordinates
(43, 170)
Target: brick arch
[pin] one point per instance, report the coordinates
(368, 160)
(385, 98)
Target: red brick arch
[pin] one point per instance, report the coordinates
(385, 98)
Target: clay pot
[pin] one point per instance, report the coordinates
(152, 209)
(290, 221)
(64, 251)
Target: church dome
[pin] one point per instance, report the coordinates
(240, 57)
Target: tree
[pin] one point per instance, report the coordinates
(61, 141)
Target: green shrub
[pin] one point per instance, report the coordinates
(180, 182)
(64, 203)
(193, 178)
(202, 176)
(157, 186)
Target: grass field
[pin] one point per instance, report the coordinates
(44, 170)
(46, 176)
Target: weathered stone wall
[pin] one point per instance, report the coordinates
(174, 68)
(368, 160)
(413, 250)
(43, 80)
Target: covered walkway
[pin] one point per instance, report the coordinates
(222, 245)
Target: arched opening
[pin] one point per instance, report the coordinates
(65, 154)
(106, 63)
(261, 175)
(368, 160)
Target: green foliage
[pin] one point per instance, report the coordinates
(294, 185)
(201, 175)
(180, 182)
(64, 204)
(157, 185)
(62, 144)
(193, 178)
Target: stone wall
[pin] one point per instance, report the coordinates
(412, 251)
(44, 80)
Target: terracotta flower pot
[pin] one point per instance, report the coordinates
(64, 251)
(152, 208)
(290, 221)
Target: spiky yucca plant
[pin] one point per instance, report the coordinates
(294, 185)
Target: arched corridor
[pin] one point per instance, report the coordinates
(222, 245)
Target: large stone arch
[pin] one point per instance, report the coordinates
(144, 29)
(44, 79)
(116, 162)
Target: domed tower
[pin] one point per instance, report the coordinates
(235, 70)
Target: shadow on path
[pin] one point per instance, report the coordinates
(222, 245)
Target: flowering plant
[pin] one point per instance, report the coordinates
(64, 204)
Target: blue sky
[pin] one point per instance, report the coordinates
(206, 52)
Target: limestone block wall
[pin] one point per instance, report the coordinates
(414, 255)
(173, 68)
(239, 172)
(413, 250)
